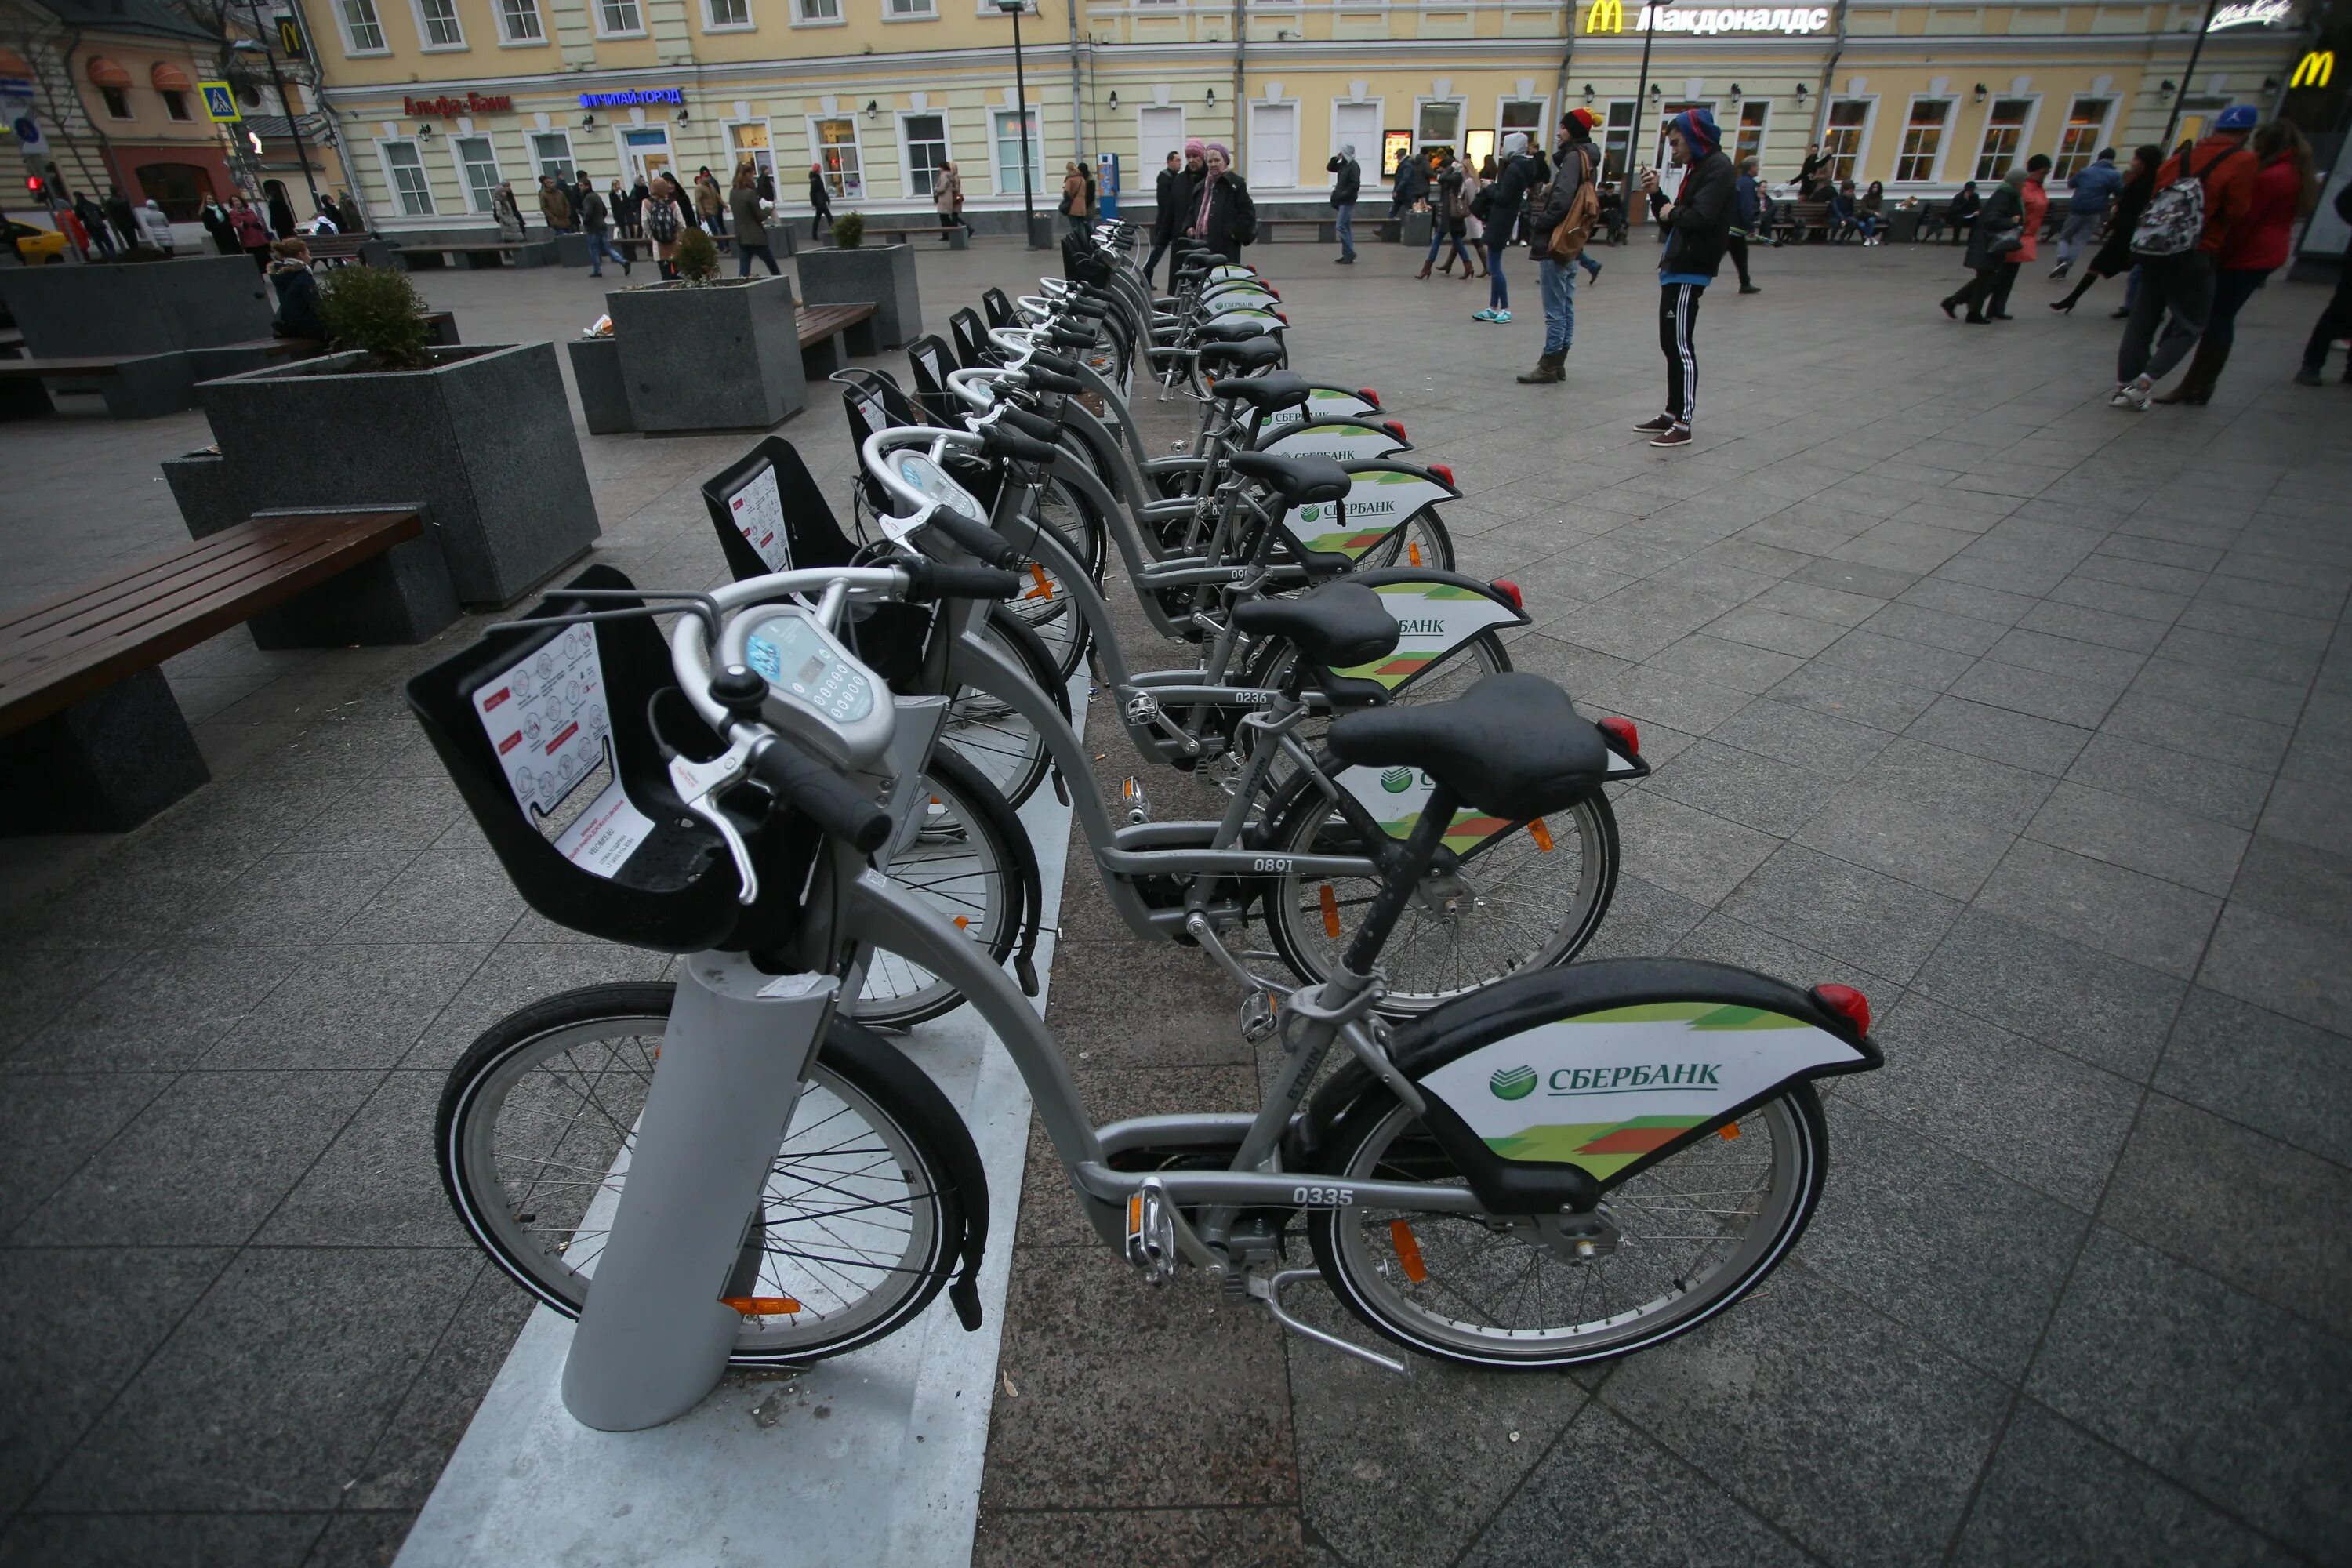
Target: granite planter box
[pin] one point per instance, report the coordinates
(879, 275)
(203, 303)
(483, 441)
(714, 356)
(596, 376)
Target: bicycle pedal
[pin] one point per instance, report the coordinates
(1151, 1232)
(1131, 794)
(1260, 1016)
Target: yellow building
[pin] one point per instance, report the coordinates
(438, 101)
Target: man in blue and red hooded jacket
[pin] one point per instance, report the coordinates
(1698, 225)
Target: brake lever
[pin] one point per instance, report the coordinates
(698, 784)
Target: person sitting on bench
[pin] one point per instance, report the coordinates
(298, 292)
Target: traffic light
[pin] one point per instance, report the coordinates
(38, 188)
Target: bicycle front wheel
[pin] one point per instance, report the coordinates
(540, 1115)
(955, 854)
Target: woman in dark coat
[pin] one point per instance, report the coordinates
(1962, 214)
(1223, 217)
(821, 200)
(2004, 210)
(2115, 256)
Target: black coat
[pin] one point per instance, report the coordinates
(1230, 212)
(819, 197)
(2115, 258)
(1169, 197)
(1509, 189)
(1350, 182)
(1699, 226)
(2003, 211)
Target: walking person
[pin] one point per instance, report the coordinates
(709, 203)
(820, 203)
(2335, 317)
(751, 223)
(252, 234)
(2033, 206)
(1747, 222)
(1169, 204)
(507, 212)
(639, 194)
(155, 228)
(1994, 239)
(94, 223)
(2201, 193)
(555, 205)
(281, 211)
(1347, 184)
(2113, 257)
(664, 223)
(2284, 191)
(596, 222)
(947, 200)
(1473, 228)
(1698, 225)
(1076, 204)
(1411, 187)
(1449, 210)
(215, 217)
(583, 188)
(120, 217)
(1223, 218)
(616, 201)
(1563, 222)
(2091, 192)
(1502, 199)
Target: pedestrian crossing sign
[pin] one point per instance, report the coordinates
(220, 102)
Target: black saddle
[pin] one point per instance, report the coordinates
(1512, 746)
(1250, 353)
(1338, 624)
(1233, 331)
(1299, 481)
(1274, 390)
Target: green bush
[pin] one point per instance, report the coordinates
(849, 231)
(377, 308)
(698, 256)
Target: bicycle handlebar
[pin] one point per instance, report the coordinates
(821, 795)
(928, 580)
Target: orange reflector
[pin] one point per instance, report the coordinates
(962, 922)
(1135, 1215)
(1731, 1133)
(1412, 549)
(1408, 1250)
(1330, 912)
(1043, 590)
(761, 1306)
(1540, 834)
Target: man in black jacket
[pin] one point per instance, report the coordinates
(1412, 185)
(1169, 196)
(1347, 184)
(1698, 225)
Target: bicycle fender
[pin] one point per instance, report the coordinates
(1322, 403)
(1034, 653)
(1382, 496)
(1601, 1068)
(1028, 897)
(964, 1172)
(1342, 440)
(1436, 613)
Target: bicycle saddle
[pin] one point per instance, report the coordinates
(1338, 624)
(1300, 481)
(1229, 332)
(1274, 389)
(1250, 353)
(1512, 746)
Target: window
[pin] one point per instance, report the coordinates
(817, 10)
(1842, 142)
(437, 25)
(118, 102)
(1273, 146)
(363, 31)
(179, 189)
(749, 140)
(1438, 124)
(908, 10)
(175, 104)
(618, 18)
(1617, 142)
(1525, 114)
(1159, 131)
(926, 136)
(1923, 139)
(518, 19)
(1749, 140)
(551, 154)
(835, 142)
(728, 14)
(477, 164)
(2086, 127)
(404, 170)
(1005, 126)
(2004, 133)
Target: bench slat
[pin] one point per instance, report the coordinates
(143, 586)
(818, 322)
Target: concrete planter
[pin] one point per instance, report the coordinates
(483, 441)
(596, 376)
(205, 303)
(881, 275)
(722, 356)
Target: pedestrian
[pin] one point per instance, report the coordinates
(639, 194)
(94, 223)
(252, 234)
(709, 205)
(349, 219)
(768, 186)
(1411, 187)
(1167, 210)
(1696, 224)
(1347, 184)
(215, 217)
(2201, 193)
(596, 222)
(1870, 213)
(751, 223)
(1223, 218)
(2335, 317)
(2089, 192)
(555, 205)
(616, 201)
(120, 217)
(1563, 224)
(2114, 257)
(325, 220)
(820, 203)
(508, 212)
(1449, 208)
(281, 211)
(947, 200)
(1074, 199)
(1815, 162)
(1962, 213)
(1746, 221)
(1994, 242)
(156, 228)
(664, 223)
(2284, 191)
(1502, 198)
(298, 292)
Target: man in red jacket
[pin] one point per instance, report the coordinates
(2182, 283)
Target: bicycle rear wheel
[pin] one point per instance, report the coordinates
(957, 856)
(539, 1117)
(1006, 747)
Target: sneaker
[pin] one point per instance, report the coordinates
(2060, 271)
(2131, 395)
(2310, 376)
(1487, 315)
(1500, 316)
(1659, 425)
(1344, 260)
(1750, 288)
(1672, 436)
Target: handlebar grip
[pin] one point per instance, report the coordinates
(1051, 381)
(974, 540)
(1003, 441)
(1041, 360)
(1028, 424)
(927, 579)
(824, 797)
(1071, 337)
(1085, 305)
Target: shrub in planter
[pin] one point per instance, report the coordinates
(378, 311)
(849, 231)
(698, 256)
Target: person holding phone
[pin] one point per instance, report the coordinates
(1697, 226)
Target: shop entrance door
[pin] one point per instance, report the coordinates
(644, 152)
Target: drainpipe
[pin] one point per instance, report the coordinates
(1567, 58)
(1241, 119)
(1829, 69)
(1077, 94)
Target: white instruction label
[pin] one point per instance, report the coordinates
(547, 720)
(602, 838)
(758, 510)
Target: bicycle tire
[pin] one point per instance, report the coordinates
(1423, 543)
(1051, 612)
(1009, 750)
(854, 1070)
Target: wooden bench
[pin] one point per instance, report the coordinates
(93, 738)
(478, 253)
(339, 248)
(1796, 222)
(1318, 228)
(137, 386)
(831, 334)
(953, 233)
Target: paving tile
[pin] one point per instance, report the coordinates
(1958, 782)
(1571, 668)
(1844, 910)
(362, 1539)
(160, 1011)
(2278, 1077)
(2160, 840)
(2310, 886)
(1817, 742)
(1151, 1538)
(1733, 664)
(2062, 699)
(2241, 654)
(1743, 786)
(1775, 629)
(2317, 815)
(1850, 694)
(163, 1539)
(1805, 594)
(2002, 609)
(2055, 1494)
(514, 976)
(1693, 854)
(39, 983)
(1855, 1436)
(1851, 577)
(2216, 733)
(2199, 785)
(1937, 628)
(399, 1470)
(2157, 924)
(442, 895)
(1890, 658)
(2301, 632)
(2050, 1121)
(60, 1120)
(297, 898)
(2120, 599)
(1921, 843)
(1719, 939)
(2129, 633)
(2319, 604)
(2070, 997)
(2233, 1398)
(2002, 735)
(2231, 692)
(349, 1007)
(1961, 1255)
(1684, 702)
(1644, 919)
(2142, 573)
(378, 1182)
(2320, 753)
(2298, 970)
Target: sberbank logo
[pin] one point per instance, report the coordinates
(1309, 513)
(1513, 1083)
(1425, 628)
(1396, 781)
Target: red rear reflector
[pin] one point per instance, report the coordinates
(1369, 395)
(761, 1306)
(1408, 1250)
(1623, 732)
(1443, 473)
(1847, 1003)
(1394, 427)
(1510, 590)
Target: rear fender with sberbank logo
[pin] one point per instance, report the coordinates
(1382, 496)
(1343, 440)
(1322, 403)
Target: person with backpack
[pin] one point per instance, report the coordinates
(2285, 190)
(1565, 217)
(665, 222)
(1347, 184)
(1697, 224)
(2201, 195)
(1502, 200)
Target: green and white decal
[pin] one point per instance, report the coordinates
(1396, 797)
(1378, 501)
(1603, 1089)
(1434, 618)
(1342, 441)
(1322, 403)
(1265, 320)
(1231, 270)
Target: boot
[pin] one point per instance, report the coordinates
(2196, 388)
(1550, 367)
(1447, 270)
(1424, 270)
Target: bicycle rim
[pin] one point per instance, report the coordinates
(1006, 747)
(1422, 542)
(948, 856)
(1045, 604)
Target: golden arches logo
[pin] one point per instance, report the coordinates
(2313, 70)
(1605, 17)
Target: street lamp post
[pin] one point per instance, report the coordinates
(293, 121)
(1014, 9)
(1642, 83)
(2187, 77)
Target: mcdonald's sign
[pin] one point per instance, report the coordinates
(2312, 70)
(1605, 17)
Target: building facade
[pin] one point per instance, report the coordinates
(439, 100)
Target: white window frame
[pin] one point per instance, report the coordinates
(625, 162)
(734, 155)
(1935, 175)
(1379, 121)
(1038, 174)
(711, 23)
(1539, 136)
(392, 181)
(2032, 101)
(1763, 134)
(506, 39)
(537, 164)
(353, 47)
(988, 8)
(1604, 134)
(2105, 138)
(596, 17)
(1297, 136)
(1158, 156)
(930, 12)
(1858, 172)
(1461, 123)
(424, 33)
(906, 148)
(464, 182)
(801, 18)
(865, 191)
